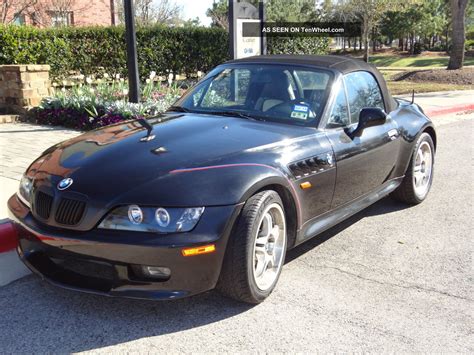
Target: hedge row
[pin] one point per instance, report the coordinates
(94, 50)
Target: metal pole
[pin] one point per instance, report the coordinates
(263, 38)
(232, 49)
(132, 64)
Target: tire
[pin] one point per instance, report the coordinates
(417, 182)
(248, 274)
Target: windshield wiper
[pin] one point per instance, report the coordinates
(177, 109)
(235, 114)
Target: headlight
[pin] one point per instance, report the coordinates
(24, 190)
(150, 219)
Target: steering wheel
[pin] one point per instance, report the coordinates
(286, 108)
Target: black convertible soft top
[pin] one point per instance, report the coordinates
(341, 64)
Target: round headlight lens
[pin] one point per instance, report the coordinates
(135, 214)
(162, 217)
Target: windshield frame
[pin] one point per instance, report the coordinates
(314, 122)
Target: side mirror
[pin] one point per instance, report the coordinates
(368, 117)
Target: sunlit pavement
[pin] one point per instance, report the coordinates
(391, 278)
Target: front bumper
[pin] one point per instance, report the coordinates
(109, 262)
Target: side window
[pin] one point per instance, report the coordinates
(339, 113)
(362, 91)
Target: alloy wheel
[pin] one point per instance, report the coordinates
(422, 169)
(269, 247)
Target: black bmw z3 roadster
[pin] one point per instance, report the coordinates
(261, 155)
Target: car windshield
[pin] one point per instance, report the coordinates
(281, 93)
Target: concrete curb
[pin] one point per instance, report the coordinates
(448, 110)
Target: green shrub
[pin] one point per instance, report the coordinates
(95, 50)
(469, 44)
(98, 50)
(298, 45)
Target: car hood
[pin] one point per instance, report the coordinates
(115, 160)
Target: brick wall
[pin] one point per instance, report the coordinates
(81, 13)
(96, 12)
(23, 86)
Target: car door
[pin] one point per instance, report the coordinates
(365, 161)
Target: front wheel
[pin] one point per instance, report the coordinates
(417, 181)
(256, 250)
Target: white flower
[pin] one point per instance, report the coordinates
(199, 73)
(91, 90)
(81, 76)
(55, 84)
(148, 81)
(170, 78)
(80, 85)
(63, 89)
(125, 92)
(117, 76)
(122, 80)
(89, 80)
(64, 82)
(152, 75)
(99, 80)
(106, 75)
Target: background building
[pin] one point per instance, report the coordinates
(57, 13)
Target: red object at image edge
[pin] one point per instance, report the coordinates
(8, 237)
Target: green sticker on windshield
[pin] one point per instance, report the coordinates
(300, 112)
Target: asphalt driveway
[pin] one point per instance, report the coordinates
(391, 278)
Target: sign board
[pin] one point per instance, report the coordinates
(239, 13)
(246, 46)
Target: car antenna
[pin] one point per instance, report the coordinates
(413, 97)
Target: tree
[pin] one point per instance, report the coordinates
(10, 9)
(219, 13)
(456, 56)
(148, 12)
(370, 12)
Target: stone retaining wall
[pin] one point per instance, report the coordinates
(23, 87)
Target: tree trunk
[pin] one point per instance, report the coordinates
(456, 56)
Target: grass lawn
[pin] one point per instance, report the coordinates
(406, 87)
(414, 61)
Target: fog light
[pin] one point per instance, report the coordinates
(135, 214)
(158, 272)
(162, 217)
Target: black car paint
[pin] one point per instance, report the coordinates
(212, 161)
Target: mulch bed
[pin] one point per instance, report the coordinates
(463, 76)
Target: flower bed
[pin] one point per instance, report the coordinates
(90, 103)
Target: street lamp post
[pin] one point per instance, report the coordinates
(132, 64)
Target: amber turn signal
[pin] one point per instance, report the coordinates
(206, 249)
(305, 185)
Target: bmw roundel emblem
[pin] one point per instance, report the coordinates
(65, 183)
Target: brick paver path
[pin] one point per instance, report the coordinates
(21, 143)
